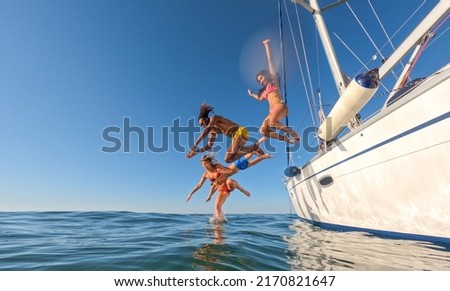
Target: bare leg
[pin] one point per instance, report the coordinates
(258, 159)
(261, 140)
(257, 150)
(267, 132)
(237, 150)
(251, 163)
(248, 156)
(273, 120)
(220, 200)
(233, 184)
(278, 125)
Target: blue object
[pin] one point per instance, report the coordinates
(368, 79)
(241, 163)
(292, 171)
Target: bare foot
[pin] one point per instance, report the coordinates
(295, 139)
(295, 136)
(289, 140)
(266, 156)
(246, 193)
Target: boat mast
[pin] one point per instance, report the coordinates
(403, 78)
(314, 8)
(427, 23)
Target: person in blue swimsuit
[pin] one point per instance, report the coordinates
(220, 182)
(244, 162)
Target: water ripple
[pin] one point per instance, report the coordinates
(168, 242)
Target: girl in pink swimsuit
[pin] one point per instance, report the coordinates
(277, 108)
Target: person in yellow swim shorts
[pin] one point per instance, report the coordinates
(216, 124)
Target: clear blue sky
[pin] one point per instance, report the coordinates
(70, 69)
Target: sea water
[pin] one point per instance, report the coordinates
(169, 242)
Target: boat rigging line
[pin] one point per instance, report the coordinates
(283, 70)
(310, 100)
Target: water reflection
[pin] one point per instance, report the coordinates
(313, 248)
(210, 256)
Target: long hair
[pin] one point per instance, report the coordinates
(210, 158)
(271, 79)
(205, 109)
(268, 76)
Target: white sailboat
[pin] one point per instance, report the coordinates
(394, 174)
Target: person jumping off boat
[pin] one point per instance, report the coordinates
(277, 108)
(217, 124)
(219, 177)
(244, 162)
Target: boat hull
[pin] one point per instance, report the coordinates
(391, 174)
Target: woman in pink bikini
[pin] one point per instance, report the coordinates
(277, 108)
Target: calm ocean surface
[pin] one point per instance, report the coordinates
(165, 242)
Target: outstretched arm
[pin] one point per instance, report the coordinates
(212, 190)
(198, 186)
(254, 95)
(194, 150)
(272, 70)
(266, 44)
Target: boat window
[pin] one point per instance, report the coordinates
(326, 181)
(407, 88)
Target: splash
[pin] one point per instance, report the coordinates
(218, 220)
